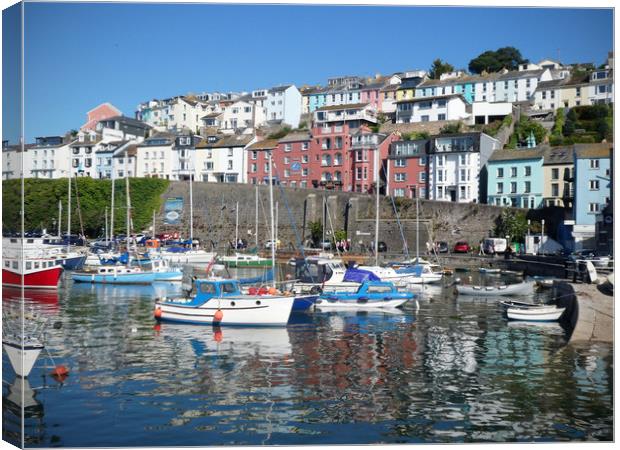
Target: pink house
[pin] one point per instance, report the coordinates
(101, 112)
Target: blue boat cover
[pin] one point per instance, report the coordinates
(177, 249)
(359, 276)
(415, 270)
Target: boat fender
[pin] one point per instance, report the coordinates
(262, 291)
(218, 316)
(252, 291)
(157, 313)
(272, 291)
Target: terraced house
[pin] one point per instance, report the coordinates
(515, 178)
(406, 168)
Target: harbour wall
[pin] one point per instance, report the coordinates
(215, 217)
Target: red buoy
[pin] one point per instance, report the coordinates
(60, 372)
(217, 317)
(157, 313)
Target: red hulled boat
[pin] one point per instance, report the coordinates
(38, 273)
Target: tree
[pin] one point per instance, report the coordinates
(316, 231)
(494, 61)
(511, 223)
(438, 68)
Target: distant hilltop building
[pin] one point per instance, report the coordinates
(101, 112)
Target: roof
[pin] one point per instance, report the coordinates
(279, 88)
(296, 137)
(517, 154)
(601, 150)
(494, 76)
(434, 97)
(128, 121)
(432, 127)
(575, 80)
(211, 115)
(85, 143)
(265, 144)
(558, 155)
(337, 107)
(228, 140)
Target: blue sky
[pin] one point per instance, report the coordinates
(80, 55)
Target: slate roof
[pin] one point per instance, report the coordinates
(337, 107)
(558, 155)
(495, 76)
(128, 121)
(517, 154)
(85, 143)
(279, 88)
(266, 144)
(296, 137)
(435, 97)
(600, 150)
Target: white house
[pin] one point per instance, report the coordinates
(154, 156)
(455, 164)
(83, 153)
(50, 158)
(184, 156)
(240, 115)
(221, 158)
(430, 109)
(283, 105)
(12, 160)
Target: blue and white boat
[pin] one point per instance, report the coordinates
(221, 302)
(160, 267)
(370, 295)
(114, 275)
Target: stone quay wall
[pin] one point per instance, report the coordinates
(214, 217)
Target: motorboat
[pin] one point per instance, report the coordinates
(390, 274)
(524, 288)
(31, 273)
(489, 270)
(185, 255)
(162, 269)
(243, 260)
(424, 273)
(221, 302)
(43, 247)
(370, 295)
(115, 275)
(316, 274)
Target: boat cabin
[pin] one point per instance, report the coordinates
(29, 265)
(318, 270)
(206, 289)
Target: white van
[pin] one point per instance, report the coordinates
(494, 245)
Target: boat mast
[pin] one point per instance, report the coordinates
(417, 229)
(377, 207)
(153, 224)
(256, 219)
(277, 219)
(69, 216)
(112, 209)
(236, 225)
(59, 219)
(128, 204)
(106, 226)
(273, 243)
(191, 212)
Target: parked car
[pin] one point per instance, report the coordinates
(442, 247)
(73, 240)
(325, 245)
(269, 244)
(461, 247)
(582, 254)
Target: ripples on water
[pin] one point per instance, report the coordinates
(452, 371)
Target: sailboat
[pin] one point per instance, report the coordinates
(185, 254)
(385, 273)
(117, 274)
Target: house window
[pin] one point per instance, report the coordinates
(304, 172)
(399, 192)
(400, 163)
(513, 187)
(424, 118)
(288, 147)
(528, 171)
(287, 173)
(555, 190)
(254, 167)
(358, 173)
(594, 185)
(513, 172)
(287, 160)
(422, 177)
(304, 145)
(500, 188)
(578, 92)
(527, 187)
(400, 177)
(441, 117)
(555, 174)
(593, 207)
(304, 159)
(594, 164)
(500, 172)
(254, 154)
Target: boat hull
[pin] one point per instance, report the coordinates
(43, 279)
(493, 291)
(172, 275)
(129, 278)
(22, 358)
(72, 263)
(187, 258)
(304, 302)
(353, 304)
(535, 314)
(241, 310)
(235, 264)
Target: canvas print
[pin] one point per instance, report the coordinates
(230, 224)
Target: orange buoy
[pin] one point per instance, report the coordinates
(60, 372)
(217, 334)
(217, 317)
(157, 313)
(272, 291)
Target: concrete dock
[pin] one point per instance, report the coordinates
(589, 309)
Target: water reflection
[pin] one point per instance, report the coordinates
(452, 371)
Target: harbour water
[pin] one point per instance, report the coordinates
(454, 370)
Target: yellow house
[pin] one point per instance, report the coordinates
(558, 172)
(405, 94)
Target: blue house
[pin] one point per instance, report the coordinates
(515, 178)
(592, 191)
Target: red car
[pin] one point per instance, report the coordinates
(461, 247)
